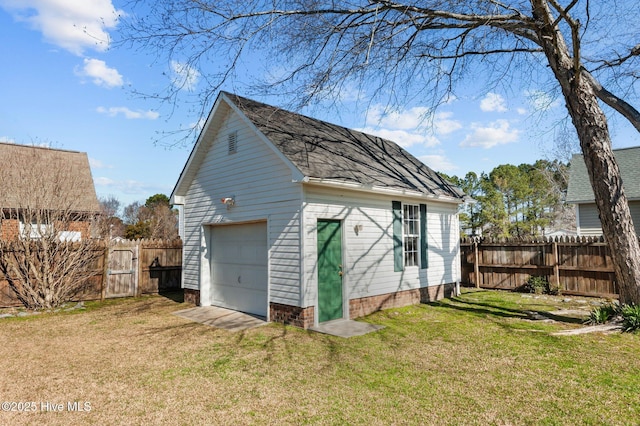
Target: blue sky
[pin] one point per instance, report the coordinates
(65, 85)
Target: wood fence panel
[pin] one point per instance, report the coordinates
(91, 290)
(578, 266)
(137, 267)
(121, 279)
(7, 296)
(160, 266)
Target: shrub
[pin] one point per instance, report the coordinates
(630, 317)
(537, 285)
(602, 314)
(554, 290)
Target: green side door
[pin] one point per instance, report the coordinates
(329, 270)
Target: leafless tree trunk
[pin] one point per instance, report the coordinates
(410, 48)
(593, 133)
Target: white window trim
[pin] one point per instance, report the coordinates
(411, 235)
(35, 231)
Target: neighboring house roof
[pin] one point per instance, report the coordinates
(579, 189)
(33, 176)
(332, 154)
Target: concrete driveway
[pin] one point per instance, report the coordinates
(227, 319)
(217, 317)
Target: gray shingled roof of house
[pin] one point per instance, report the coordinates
(32, 176)
(579, 189)
(327, 151)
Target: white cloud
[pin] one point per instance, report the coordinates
(405, 119)
(521, 111)
(101, 74)
(402, 137)
(97, 164)
(444, 125)
(130, 187)
(184, 76)
(103, 181)
(74, 25)
(493, 102)
(438, 162)
(449, 99)
(410, 127)
(7, 139)
(128, 114)
(541, 101)
(496, 133)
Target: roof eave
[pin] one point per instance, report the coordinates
(593, 201)
(397, 192)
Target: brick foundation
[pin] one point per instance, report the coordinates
(192, 296)
(431, 294)
(368, 305)
(293, 315)
(304, 317)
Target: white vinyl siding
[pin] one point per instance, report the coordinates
(589, 219)
(261, 184)
(368, 243)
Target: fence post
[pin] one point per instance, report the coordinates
(556, 264)
(105, 270)
(137, 267)
(476, 263)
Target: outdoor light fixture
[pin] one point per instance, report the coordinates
(229, 201)
(357, 229)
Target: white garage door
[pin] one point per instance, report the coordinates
(239, 267)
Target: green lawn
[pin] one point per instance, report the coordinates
(476, 359)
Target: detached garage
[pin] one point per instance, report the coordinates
(301, 221)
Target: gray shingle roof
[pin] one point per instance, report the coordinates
(33, 176)
(579, 189)
(327, 151)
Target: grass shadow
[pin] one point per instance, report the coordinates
(174, 295)
(494, 309)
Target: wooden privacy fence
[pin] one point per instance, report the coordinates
(137, 267)
(127, 268)
(575, 265)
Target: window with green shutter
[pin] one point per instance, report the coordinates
(410, 246)
(424, 245)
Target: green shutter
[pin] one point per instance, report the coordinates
(398, 260)
(424, 245)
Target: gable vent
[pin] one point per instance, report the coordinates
(233, 142)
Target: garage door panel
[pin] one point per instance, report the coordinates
(240, 276)
(242, 299)
(239, 267)
(250, 251)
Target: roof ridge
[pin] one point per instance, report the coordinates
(19, 145)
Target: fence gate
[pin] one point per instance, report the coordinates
(121, 273)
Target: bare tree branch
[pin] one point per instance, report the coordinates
(618, 104)
(407, 50)
(633, 52)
